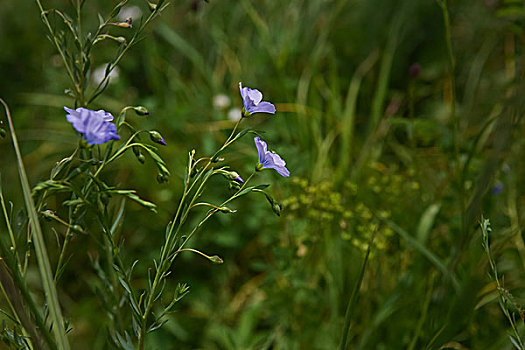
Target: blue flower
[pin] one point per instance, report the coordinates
(270, 160)
(497, 188)
(252, 99)
(96, 126)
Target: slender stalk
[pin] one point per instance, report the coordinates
(82, 77)
(39, 244)
(213, 211)
(113, 64)
(63, 253)
(455, 119)
(6, 216)
(58, 47)
(353, 297)
(172, 234)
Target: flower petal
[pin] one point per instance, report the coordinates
(95, 126)
(264, 107)
(254, 95)
(274, 161)
(261, 148)
(282, 171)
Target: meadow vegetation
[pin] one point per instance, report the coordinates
(399, 227)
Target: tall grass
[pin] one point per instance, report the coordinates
(374, 145)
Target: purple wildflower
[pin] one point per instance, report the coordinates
(96, 126)
(270, 160)
(498, 188)
(252, 99)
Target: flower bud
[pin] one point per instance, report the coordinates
(76, 228)
(152, 6)
(232, 175)
(155, 136)
(227, 210)
(162, 178)
(141, 158)
(276, 207)
(48, 214)
(3, 133)
(126, 24)
(216, 259)
(140, 110)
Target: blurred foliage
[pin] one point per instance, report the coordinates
(364, 97)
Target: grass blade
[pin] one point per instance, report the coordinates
(353, 297)
(40, 249)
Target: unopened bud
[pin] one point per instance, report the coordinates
(126, 24)
(216, 259)
(162, 178)
(276, 207)
(76, 228)
(141, 158)
(155, 136)
(3, 133)
(140, 110)
(217, 159)
(227, 210)
(152, 6)
(48, 214)
(121, 40)
(234, 176)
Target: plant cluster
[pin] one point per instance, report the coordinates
(79, 198)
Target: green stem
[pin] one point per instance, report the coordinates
(63, 253)
(171, 236)
(113, 64)
(455, 119)
(6, 216)
(353, 297)
(58, 47)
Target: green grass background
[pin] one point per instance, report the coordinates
(369, 147)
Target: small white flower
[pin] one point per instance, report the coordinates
(235, 114)
(98, 74)
(129, 11)
(221, 101)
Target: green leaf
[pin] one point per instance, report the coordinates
(251, 188)
(131, 194)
